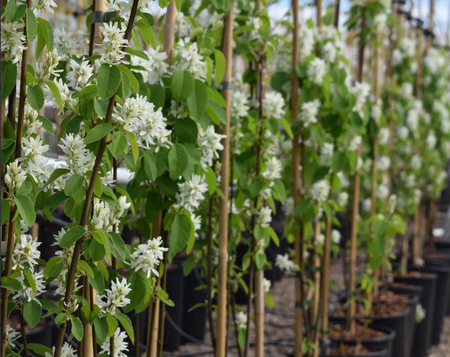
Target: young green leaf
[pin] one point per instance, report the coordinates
(8, 76)
(56, 94)
(31, 25)
(32, 311)
(77, 328)
(198, 100)
(26, 209)
(35, 97)
(108, 80)
(178, 160)
(127, 325)
(181, 231)
(97, 133)
(73, 185)
(182, 85)
(71, 236)
(220, 65)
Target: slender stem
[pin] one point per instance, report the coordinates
(113, 263)
(233, 312)
(298, 241)
(136, 329)
(336, 13)
(24, 334)
(162, 315)
(209, 273)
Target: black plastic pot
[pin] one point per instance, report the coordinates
(440, 301)
(174, 315)
(442, 245)
(397, 322)
(194, 322)
(422, 335)
(442, 261)
(379, 343)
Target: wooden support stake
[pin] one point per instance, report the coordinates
(227, 49)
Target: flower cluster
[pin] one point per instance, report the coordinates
(319, 191)
(191, 193)
(309, 112)
(187, 58)
(77, 157)
(273, 105)
(147, 256)
(112, 43)
(120, 345)
(114, 298)
(285, 263)
(209, 142)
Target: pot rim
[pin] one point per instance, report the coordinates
(391, 335)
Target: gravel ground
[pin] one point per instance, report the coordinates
(279, 321)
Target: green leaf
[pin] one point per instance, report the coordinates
(219, 69)
(127, 325)
(180, 233)
(47, 124)
(73, 185)
(133, 81)
(11, 283)
(215, 96)
(100, 237)
(242, 337)
(108, 80)
(260, 260)
(97, 282)
(26, 209)
(32, 311)
(35, 97)
(305, 210)
(273, 235)
(83, 266)
(178, 5)
(163, 3)
(189, 264)
(182, 85)
(186, 130)
(10, 11)
(211, 180)
(147, 33)
(31, 25)
(40, 349)
(222, 6)
(4, 211)
(89, 92)
(138, 287)
(269, 300)
(30, 280)
(97, 133)
(119, 244)
(178, 160)
(286, 127)
(118, 145)
(134, 146)
(280, 190)
(77, 328)
(198, 100)
(57, 173)
(150, 165)
(55, 91)
(71, 236)
(101, 327)
(8, 76)
(48, 267)
(96, 250)
(7, 148)
(47, 31)
(216, 113)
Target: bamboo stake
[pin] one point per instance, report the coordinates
(227, 40)
(158, 321)
(355, 205)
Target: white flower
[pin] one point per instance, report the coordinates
(147, 256)
(379, 22)
(156, 66)
(239, 105)
(412, 119)
(416, 162)
(26, 251)
(61, 284)
(267, 284)
(79, 75)
(241, 320)
(384, 163)
(288, 207)
(431, 140)
(397, 57)
(77, 157)
(316, 70)
(27, 291)
(383, 136)
(306, 41)
(410, 181)
(326, 154)
(335, 236)
(46, 5)
(285, 263)
(33, 150)
(319, 191)
(407, 90)
(407, 46)
(68, 351)
(402, 132)
(420, 313)
(114, 297)
(343, 199)
(120, 345)
(48, 68)
(209, 144)
(273, 104)
(329, 51)
(187, 58)
(320, 240)
(63, 89)
(181, 25)
(11, 335)
(12, 41)
(65, 44)
(376, 111)
(197, 221)
(367, 204)
(417, 196)
(435, 62)
(191, 193)
(14, 177)
(273, 169)
(264, 217)
(361, 92)
(309, 112)
(382, 192)
(112, 42)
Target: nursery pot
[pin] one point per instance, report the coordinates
(422, 335)
(385, 342)
(372, 352)
(174, 315)
(441, 259)
(442, 245)
(194, 322)
(440, 300)
(397, 322)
